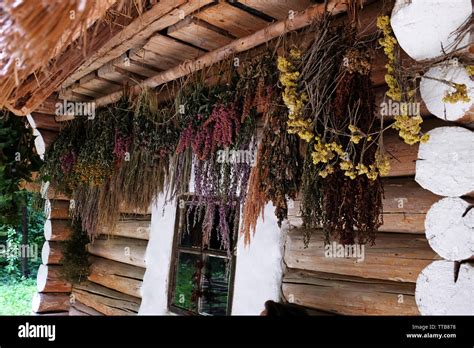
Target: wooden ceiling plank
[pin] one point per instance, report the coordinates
(198, 33)
(152, 58)
(77, 88)
(115, 46)
(69, 95)
(94, 83)
(169, 47)
(278, 9)
(234, 20)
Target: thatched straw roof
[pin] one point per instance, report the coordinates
(34, 31)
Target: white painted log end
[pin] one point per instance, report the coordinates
(45, 253)
(449, 230)
(438, 294)
(47, 209)
(42, 278)
(424, 28)
(48, 229)
(445, 164)
(433, 91)
(40, 145)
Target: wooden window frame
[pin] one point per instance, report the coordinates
(206, 253)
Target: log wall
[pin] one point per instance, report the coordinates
(53, 293)
(117, 265)
(117, 259)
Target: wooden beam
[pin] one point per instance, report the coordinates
(271, 32)
(57, 230)
(200, 34)
(278, 9)
(49, 279)
(131, 228)
(105, 300)
(50, 302)
(405, 205)
(162, 15)
(80, 309)
(348, 295)
(232, 19)
(52, 253)
(395, 256)
(115, 275)
(125, 250)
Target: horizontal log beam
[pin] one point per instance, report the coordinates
(80, 309)
(104, 300)
(125, 250)
(52, 253)
(56, 209)
(44, 303)
(348, 295)
(117, 276)
(49, 280)
(130, 228)
(405, 205)
(57, 230)
(395, 256)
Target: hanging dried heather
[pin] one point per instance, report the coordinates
(221, 147)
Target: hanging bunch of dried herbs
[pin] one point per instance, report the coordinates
(222, 145)
(154, 138)
(276, 174)
(75, 260)
(342, 189)
(61, 157)
(93, 169)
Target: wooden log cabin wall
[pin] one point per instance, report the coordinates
(117, 259)
(173, 39)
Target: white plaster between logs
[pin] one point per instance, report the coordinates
(449, 226)
(445, 164)
(424, 28)
(433, 91)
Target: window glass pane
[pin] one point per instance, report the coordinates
(215, 242)
(191, 231)
(215, 286)
(192, 228)
(187, 266)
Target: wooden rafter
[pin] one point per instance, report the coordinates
(162, 15)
